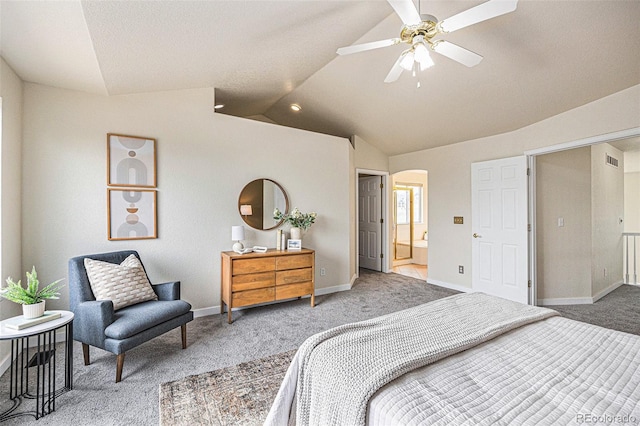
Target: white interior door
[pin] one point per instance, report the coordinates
(499, 226)
(369, 224)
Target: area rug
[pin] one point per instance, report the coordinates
(236, 395)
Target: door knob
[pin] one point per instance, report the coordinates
(476, 235)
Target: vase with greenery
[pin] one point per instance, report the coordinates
(297, 220)
(32, 298)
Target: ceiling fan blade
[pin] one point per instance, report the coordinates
(457, 53)
(406, 10)
(367, 46)
(395, 72)
(480, 13)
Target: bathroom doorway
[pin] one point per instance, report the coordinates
(410, 236)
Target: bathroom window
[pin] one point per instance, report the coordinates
(403, 205)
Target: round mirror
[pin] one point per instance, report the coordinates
(258, 200)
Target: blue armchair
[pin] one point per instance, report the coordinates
(97, 324)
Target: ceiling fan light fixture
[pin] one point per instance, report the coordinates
(407, 60)
(422, 56)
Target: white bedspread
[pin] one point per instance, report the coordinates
(553, 372)
(335, 373)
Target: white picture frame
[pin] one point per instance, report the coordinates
(294, 245)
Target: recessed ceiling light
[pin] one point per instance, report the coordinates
(295, 107)
(218, 106)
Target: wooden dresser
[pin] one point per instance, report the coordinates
(252, 278)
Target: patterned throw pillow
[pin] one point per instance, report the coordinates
(124, 284)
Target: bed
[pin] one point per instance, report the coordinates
(468, 359)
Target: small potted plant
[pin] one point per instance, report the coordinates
(31, 298)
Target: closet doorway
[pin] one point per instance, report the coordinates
(410, 235)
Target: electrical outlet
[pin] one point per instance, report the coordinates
(323, 271)
(460, 269)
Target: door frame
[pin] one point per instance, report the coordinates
(531, 164)
(384, 214)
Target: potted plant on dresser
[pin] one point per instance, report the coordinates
(31, 298)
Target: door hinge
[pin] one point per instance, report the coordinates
(528, 171)
(529, 227)
(381, 255)
(381, 220)
(529, 283)
(381, 186)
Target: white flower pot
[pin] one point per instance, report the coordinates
(296, 233)
(33, 311)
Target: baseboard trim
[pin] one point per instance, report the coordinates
(335, 288)
(565, 301)
(607, 290)
(579, 300)
(205, 312)
(6, 363)
(450, 286)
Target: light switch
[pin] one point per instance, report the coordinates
(560, 222)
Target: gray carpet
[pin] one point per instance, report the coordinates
(258, 332)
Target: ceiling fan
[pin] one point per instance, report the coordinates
(419, 32)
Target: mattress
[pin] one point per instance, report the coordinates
(469, 359)
(552, 372)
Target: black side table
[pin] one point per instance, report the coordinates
(43, 357)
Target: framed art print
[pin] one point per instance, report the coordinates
(131, 161)
(131, 214)
(294, 244)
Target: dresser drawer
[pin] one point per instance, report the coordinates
(251, 297)
(294, 262)
(251, 265)
(253, 281)
(293, 290)
(258, 278)
(293, 276)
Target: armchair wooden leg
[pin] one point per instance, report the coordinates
(119, 364)
(85, 353)
(183, 329)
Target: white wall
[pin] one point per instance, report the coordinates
(607, 210)
(204, 161)
(449, 170)
(563, 188)
(11, 167)
(10, 193)
(369, 157)
(632, 191)
(632, 205)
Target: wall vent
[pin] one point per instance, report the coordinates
(612, 161)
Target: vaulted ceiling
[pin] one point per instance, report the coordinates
(261, 56)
